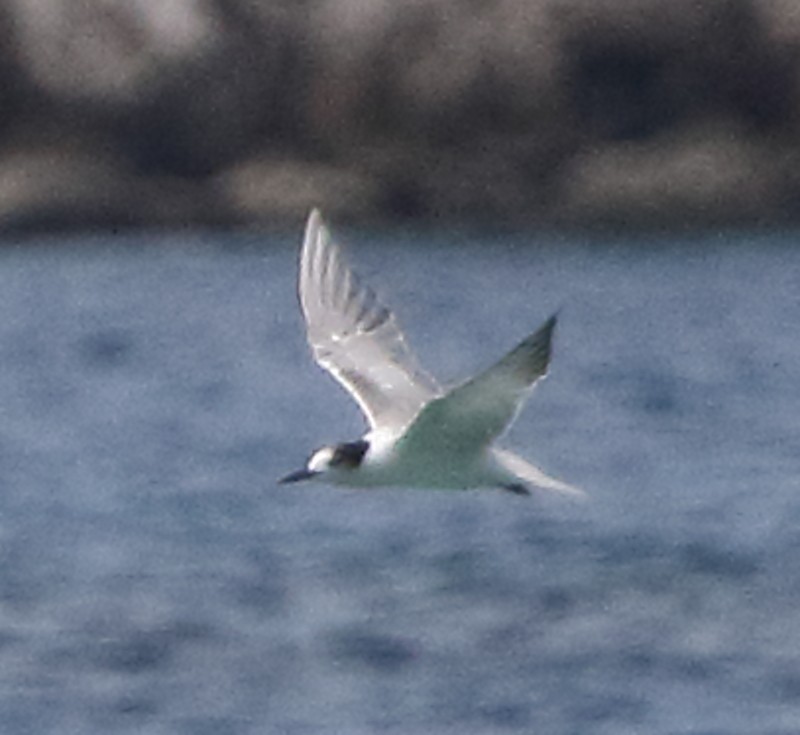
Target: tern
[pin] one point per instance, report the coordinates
(420, 435)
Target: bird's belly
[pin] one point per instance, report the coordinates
(431, 472)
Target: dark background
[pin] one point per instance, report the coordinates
(528, 112)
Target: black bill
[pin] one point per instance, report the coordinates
(303, 474)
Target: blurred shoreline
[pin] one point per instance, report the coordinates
(577, 113)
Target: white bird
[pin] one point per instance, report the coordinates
(420, 435)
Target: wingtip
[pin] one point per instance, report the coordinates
(316, 233)
(543, 336)
(545, 333)
(314, 221)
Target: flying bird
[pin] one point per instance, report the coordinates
(420, 434)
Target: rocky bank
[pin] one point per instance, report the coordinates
(177, 113)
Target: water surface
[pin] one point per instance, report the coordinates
(154, 579)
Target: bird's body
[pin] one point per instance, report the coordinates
(421, 436)
(389, 462)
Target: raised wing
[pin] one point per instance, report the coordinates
(475, 413)
(356, 338)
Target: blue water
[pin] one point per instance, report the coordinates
(154, 579)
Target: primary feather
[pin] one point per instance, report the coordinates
(356, 338)
(472, 415)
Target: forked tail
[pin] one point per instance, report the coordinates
(528, 475)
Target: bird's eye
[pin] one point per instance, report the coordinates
(350, 454)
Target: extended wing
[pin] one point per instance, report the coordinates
(356, 338)
(475, 413)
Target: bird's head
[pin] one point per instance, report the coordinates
(333, 461)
